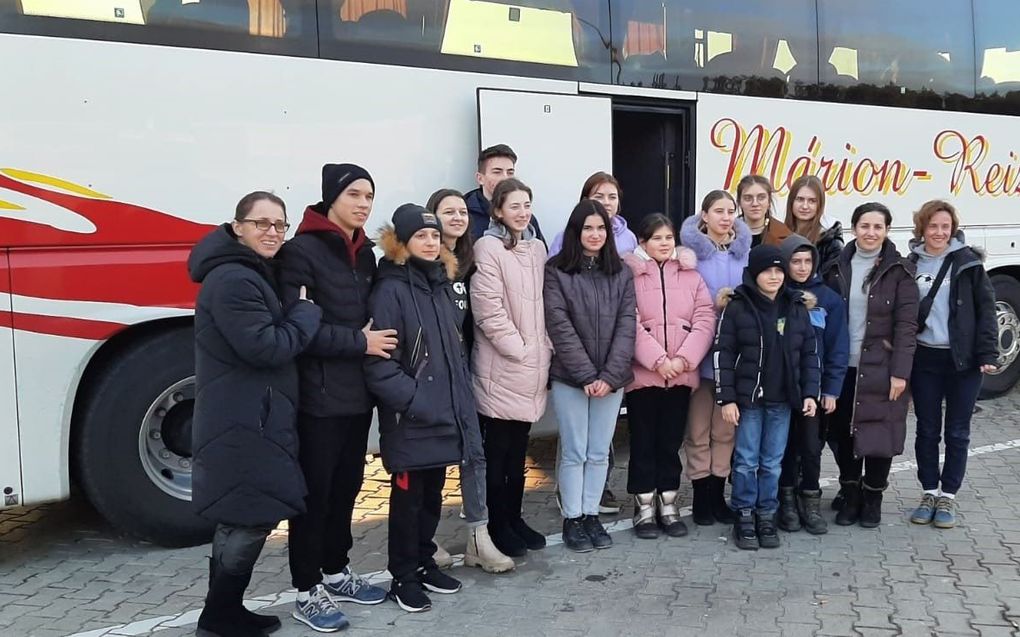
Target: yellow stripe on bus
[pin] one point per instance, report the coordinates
(6, 205)
(37, 178)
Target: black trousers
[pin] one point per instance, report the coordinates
(332, 458)
(875, 470)
(416, 501)
(803, 457)
(235, 549)
(506, 450)
(657, 419)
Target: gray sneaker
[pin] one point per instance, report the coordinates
(352, 588)
(945, 513)
(925, 512)
(319, 612)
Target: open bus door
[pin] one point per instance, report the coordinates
(560, 140)
(10, 446)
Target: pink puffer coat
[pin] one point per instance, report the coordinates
(676, 317)
(510, 361)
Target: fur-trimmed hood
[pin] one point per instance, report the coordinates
(396, 251)
(692, 237)
(686, 257)
(808, 299)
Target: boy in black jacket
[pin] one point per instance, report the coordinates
(766, 364)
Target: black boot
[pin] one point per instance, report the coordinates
(720, 509)
(265, 623)
(702, 506)
(508, 542)
(851, 510)
(223, 614)
(871, 505)
(809, 505)
(837, 501)
(744, 533)
(534, 540)
(789, 519)
(574, 537)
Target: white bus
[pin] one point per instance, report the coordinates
(129, 127)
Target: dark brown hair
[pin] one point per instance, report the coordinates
(499, 194)
(923, 216)
(791, 221)
(499, 150)
(651, 224)
(597, 180)
(248, 202)
(463, 248)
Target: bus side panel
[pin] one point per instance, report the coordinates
(65, 304)
(10, 461)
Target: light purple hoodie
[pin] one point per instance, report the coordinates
(626, 242)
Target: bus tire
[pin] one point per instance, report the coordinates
(133, 441)
(1007, 296)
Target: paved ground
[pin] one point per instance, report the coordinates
(63, 571)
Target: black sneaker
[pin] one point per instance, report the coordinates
(507, 541)
(532, 539)
(768, 537)
(744, 535)
(410, 596)
(437, 581)
(574, 537)
(596, 532)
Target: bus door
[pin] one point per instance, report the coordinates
(10, 444)
(560, 140)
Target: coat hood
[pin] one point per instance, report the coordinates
(315, 220)
(501, 232)
(686, 257)
(958, 242)
(792, 244)
(692, 237)
(219, 247)
(396, 252)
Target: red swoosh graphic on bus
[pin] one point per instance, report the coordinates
(135, 256)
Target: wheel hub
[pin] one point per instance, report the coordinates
(164, 439)
(1008, 336)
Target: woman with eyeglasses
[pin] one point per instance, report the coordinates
(755, 197)
(449, 206)
(246, 473)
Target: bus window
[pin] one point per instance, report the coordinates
(558, 38)
(220, 24)
(997, 43)
(891, 48)
(725, 46)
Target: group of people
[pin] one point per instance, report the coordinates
(742, 341)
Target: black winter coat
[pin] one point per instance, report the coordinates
(973, 329)
(427, 413)
(338, 275)
(591, 319)
(739, 346)
(879, 426)
(829, 246)
(244, 443)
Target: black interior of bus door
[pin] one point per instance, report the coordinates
(651, 146)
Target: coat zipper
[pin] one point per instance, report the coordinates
(665, 317)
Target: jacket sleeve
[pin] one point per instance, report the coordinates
(986, 334)
(904, 336)
(836, 339)
(488, 307)
(725, 354)
(810, 364)
(566, 343)
(699, 342)
(330, 340)
(386, 378)
(241, 313)
(648, 352)
(618, 370)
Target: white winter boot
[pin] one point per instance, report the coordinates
(482, 552)
(442, 557)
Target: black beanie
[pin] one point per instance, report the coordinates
(410, 218)
(336, 178)
(764, 257)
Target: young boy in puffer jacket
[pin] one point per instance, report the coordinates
(766, 365)
(799, 491)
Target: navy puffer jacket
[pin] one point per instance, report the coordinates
(245, 447)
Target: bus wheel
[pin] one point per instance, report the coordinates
(1007, 315)
(134, 441)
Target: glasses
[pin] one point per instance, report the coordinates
(263, 225)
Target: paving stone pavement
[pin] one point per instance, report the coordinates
(64, 571)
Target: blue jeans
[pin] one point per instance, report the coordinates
(934, 380)
(758, 457)
(586, 431)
